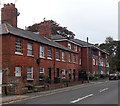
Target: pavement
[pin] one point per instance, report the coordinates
(14, 98)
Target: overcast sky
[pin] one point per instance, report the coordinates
(96, 19)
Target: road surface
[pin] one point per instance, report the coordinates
(99, 93)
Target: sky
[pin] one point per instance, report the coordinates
(95, 19)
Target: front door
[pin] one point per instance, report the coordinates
(49, 73)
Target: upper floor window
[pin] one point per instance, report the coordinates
(41, 51)
(29, 49)
(29, 73)
(57, 55)
(41, 70)
(63, 73)
(69, 45)
(93, 61)
(49, 53)
(80, 61)
(69, 57)
(18, 46)
(18, 71)
(99, 53)
(96, 62)
(75, 48)
(63, 56)
(74, 58)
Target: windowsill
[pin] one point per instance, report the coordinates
(30, 79)
(41, 72)
(17, 76)
(41, 79)
(19, 53)
(30, 55)
(42, 57)
(63, 60)
(57, 59)
(49, 58)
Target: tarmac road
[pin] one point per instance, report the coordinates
(100, 93)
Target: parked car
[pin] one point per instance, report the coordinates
(119, 75)
(113, 76)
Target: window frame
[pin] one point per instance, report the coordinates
(57, 55)
(74, 59)
(69, 45)
(69, 57)
(29, 49)
(80, 61)
(49, 53)
(42, 52)
(30, 73)
(18, 46)
(18, 72)
(63, 74)
(94, 62)
(75, 48)
(43, 70)
(63, 56)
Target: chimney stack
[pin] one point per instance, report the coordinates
(9, 14)
(46, 29)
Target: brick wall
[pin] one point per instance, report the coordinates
(9, 14)
(11, 60)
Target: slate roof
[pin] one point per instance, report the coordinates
(83, 43)
(58, 37)
(6, 28)
(80, 42)
(77, 41)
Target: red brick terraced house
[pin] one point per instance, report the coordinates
(27, 57)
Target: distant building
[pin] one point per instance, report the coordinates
(29, 58)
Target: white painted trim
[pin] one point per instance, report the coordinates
(18, 53)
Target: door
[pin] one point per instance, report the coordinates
(49, 73)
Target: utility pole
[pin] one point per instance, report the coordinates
(87, 61)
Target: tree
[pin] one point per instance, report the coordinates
(112, 47)
(56, 29)
(109, 40)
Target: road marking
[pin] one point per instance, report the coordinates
(103, 90)
(79, 99)
(44, 94)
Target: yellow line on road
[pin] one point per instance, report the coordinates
(51, 93)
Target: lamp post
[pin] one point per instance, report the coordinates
(87, 62)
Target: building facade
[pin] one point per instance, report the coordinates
(29, 58)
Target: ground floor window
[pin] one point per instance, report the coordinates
(63, 73)
(29, 73)
(41, 73)
(18, 70)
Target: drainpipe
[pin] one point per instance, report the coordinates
(87, 62)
